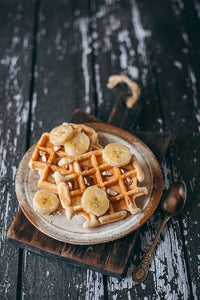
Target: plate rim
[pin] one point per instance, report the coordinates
(155, 196)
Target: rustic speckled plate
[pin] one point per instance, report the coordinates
(59, 228)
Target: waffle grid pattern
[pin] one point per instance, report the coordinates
(121, 201)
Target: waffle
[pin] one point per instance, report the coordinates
(46, 154)
(75, 173)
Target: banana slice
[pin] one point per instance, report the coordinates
(116, 155)
(60, 134)
(45, 202)
(78, 144)
(95, 201)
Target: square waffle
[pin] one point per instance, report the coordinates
(74, 174)
(46, 153)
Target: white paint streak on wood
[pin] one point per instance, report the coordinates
(13, 92)
(169, 253)
(123, 37)
(186, 38)
(194, 289)
(8, 196)
(133, 72)
(140, 32)
(197, 7)
(123, 57)
(14, 170)
(178, 64)
(16, 100)
(33, 108)
(166, 174)
(25, 41)
(127, 60)
(193, 80)
(86, 50)
(114, 23)
(3, 154)
(98, 84)
(95, 288)
(107, 44)
(126, 283)
(6, 283)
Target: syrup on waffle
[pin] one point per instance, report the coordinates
(76, 173)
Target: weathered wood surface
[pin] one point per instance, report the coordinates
(16, 36)
(153, 26)
(57, 56)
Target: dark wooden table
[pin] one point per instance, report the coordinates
(56, 56)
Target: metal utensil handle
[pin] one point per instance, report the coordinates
(141, 271)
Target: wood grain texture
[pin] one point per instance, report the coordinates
(181, 117)
(16, 27)
(133, 53)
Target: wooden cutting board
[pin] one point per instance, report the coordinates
(109, 258)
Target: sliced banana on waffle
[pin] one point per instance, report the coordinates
(78, 144)
(116, 155)
(60, 134)
(95, 201)
(45, 202)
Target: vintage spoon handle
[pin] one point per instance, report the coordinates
(141, 271)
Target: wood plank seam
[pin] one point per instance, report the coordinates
(31, 90)
(33, 65)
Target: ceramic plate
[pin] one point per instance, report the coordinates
(59, 228)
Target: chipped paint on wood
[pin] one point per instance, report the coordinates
(14, 110)
(94, 283)
(140, 33)
(83, 27)
(195, 95)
